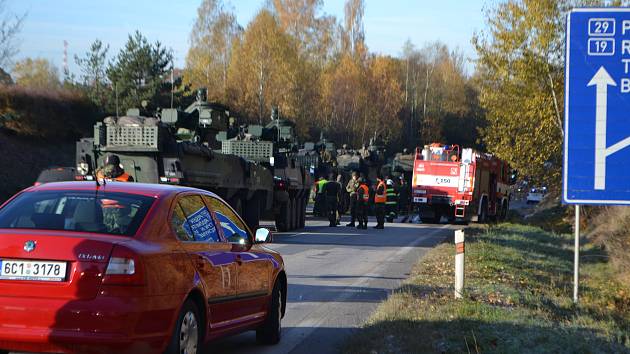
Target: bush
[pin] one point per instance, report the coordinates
(44, 113)
(611, 228)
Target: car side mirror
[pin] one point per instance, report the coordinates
(263, 236)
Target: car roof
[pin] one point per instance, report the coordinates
(146, 189)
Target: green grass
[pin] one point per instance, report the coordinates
(517, 300)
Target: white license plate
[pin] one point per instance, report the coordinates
(15, 269)
(419, 200)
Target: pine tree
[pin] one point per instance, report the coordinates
(140, 72)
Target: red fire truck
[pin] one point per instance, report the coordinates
(460, 184)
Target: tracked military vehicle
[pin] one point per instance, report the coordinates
(200, 147)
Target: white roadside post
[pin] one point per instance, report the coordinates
(459, 263)
(576, 260)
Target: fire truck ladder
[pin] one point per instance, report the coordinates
(463, 185)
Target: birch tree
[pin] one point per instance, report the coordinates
(211, 42)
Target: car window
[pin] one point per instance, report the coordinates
(233, 228)
(199, 225)
(178, 220)
(105, 212)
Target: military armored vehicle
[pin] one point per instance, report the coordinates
(275, 146)
(403, 164)
(199, 147)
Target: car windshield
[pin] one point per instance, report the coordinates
(107, 213)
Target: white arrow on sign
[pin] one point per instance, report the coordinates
(601, 80)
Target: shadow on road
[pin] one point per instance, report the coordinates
(371, 238)
(311, 342)
(334, 277)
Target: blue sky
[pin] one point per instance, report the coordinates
(388, 23)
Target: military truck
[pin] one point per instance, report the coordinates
(199, 147)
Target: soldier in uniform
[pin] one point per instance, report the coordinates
(332, 190)
(113, 170)
(351, 188)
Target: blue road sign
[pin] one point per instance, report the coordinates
(597, 107)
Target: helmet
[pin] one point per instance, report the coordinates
(112, 159)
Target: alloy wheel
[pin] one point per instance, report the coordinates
(189, 334)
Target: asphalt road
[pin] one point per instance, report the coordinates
(337, 277)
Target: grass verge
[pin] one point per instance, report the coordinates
(518, 300)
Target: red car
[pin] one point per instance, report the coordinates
(130, 267)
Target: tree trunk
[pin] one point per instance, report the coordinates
(555, 101)
(426, 93)
(261, 98)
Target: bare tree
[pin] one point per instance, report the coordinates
(10, 26)
(354, 39)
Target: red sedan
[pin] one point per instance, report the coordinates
(137, 268)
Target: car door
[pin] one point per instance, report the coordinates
(209, 253)
(254, 266)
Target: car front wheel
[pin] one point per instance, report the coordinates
(269, 332)
(186, 337)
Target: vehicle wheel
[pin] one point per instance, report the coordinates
(270, 331)
(437, 218)
(251, 213)
(290, 215)
(483, 217)
(187, 334)
(504, 211)
(302, 213)
(295, 214)
(237, 205)
(282, 219)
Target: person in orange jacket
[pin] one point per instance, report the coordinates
(113, 170)
(362, 203)
(380, 198)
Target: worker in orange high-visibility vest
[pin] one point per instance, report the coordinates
(362, 203)
(380, 198)
(113, 170)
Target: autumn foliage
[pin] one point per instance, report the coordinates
(319, 72)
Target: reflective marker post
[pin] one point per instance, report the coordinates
(576, 261)
(459, 263)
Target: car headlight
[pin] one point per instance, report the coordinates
(83, 168)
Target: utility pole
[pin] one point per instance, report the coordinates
(116, 91)
(172, 82)
(66, 72)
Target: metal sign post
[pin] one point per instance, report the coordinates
(597, 102)
(576, 260)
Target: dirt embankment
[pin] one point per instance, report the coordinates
(23, 158)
